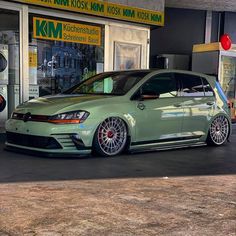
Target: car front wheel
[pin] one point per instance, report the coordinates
(219, 131)
(110, 137)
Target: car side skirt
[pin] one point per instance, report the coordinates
(167, 143)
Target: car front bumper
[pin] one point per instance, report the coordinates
(50, 139)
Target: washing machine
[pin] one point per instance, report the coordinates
(3, 64)
(3, 105)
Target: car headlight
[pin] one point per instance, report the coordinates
(73, 117)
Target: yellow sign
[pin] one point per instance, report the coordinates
(66, 31)
(104, 9)
(33, 59)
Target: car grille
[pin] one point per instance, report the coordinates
(30, 117)
(32, 141)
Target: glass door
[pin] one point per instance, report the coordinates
(9, 63)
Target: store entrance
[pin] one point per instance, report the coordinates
(9, 61)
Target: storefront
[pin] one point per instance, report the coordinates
(47, 46)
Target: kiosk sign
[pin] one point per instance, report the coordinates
(104, 9)
(66, 31)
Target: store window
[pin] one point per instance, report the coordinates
(228, 75)
(9, 63)
(62, 53)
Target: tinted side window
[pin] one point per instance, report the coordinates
(207, 88)
(192, 85)
(164, 85)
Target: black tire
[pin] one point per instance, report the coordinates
(110, 137)
(219, 131)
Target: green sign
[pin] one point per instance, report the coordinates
(104, 9)
(66, 31)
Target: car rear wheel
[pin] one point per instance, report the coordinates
(111, 137)
(219, 131)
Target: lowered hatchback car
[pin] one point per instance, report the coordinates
(128, 110)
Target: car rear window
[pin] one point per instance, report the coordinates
(194, 86)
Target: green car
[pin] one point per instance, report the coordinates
(127, 110)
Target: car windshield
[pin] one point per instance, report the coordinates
(110, 83)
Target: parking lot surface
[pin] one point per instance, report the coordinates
(178, 192)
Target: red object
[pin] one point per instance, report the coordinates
(225, 41)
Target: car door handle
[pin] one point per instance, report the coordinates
(210, 103)
(177, 105)
(141, 106)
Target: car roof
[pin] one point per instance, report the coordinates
(152, 70)
(155, 70)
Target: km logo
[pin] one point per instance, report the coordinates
(48, 29)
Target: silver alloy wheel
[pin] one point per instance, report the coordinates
(219, 130)
(112, 136)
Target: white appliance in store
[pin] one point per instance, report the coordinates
(3, 105)
(3, 64)
(14, 94)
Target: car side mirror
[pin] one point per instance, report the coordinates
(148, 95)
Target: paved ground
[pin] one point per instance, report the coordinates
(181, 192)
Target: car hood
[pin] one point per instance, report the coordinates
(50, 105)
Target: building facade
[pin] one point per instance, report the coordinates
(47, 46)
